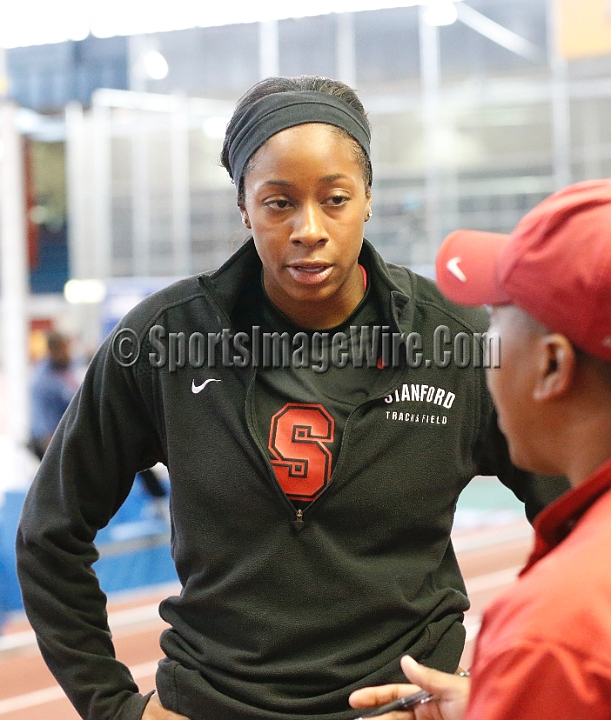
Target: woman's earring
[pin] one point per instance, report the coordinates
(368, 215)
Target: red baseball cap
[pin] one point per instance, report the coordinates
(555, 265)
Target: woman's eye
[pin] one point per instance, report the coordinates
(278, 204)
(337, 200)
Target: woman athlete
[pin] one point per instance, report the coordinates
(317, 430)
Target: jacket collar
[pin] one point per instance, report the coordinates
(227, 282)
(557, 521)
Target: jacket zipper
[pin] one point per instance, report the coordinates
(298, 522)
(250, 422)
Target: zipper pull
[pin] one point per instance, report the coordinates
(298, 522)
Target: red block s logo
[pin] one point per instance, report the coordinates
(298, 440)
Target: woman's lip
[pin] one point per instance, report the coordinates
(310, 274)
(310, 267)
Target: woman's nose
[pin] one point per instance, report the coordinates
(309, 227)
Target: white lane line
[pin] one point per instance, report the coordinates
(122, 618)
(17, 640)
(472, 627)
(133, 616)
(144, 669)
(477, 541)
(492, 580)
(489, 581)
(116, 620)
(47, 695)
(39, 697)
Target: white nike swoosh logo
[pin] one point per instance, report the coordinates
(452, 266)
(198, 388)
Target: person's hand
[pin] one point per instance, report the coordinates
(451, 694)
(154, 710)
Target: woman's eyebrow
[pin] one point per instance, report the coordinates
(325, 179)
(332, 178)
(283, 183)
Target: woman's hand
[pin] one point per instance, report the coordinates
(451, 694)
(154, 710)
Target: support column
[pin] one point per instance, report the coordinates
(269, 53)
(102, 199)
(592, 150)
(137, 45)
(14, 274)
(79, 200)
(3, 74)
(431, 121)
(181, 190)
(141, 202)
(561, 110)
(346, 49)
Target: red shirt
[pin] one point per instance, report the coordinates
(544, 650)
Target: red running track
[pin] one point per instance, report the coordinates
(489, 558)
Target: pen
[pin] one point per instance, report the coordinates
(404, 703)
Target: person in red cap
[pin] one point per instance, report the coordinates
(544, 650)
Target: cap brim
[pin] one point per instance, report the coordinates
(466, 268)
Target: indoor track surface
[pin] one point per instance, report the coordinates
(490, 558)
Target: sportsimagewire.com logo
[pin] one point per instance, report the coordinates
(362, 346)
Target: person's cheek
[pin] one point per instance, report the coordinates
(491, 374)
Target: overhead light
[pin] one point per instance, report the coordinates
(215, 126)
(440, 12)
(84, 291)
(62, 20)
(39, 214)
(155, 65)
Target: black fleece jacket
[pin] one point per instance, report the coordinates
(272, 622)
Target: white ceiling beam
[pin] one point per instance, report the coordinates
(498, 34)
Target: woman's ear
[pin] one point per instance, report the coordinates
(245, 218)
(555, 368)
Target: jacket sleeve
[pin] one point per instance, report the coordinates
(105, 437)
(536, 680)
(492, 458)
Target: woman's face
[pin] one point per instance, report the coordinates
(305, 201)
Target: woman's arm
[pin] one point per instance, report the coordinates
(105, 436)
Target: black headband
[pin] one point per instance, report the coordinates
(279, 111)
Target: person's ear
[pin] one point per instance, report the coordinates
(555, 367)
(245, 218)
(368, 209)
